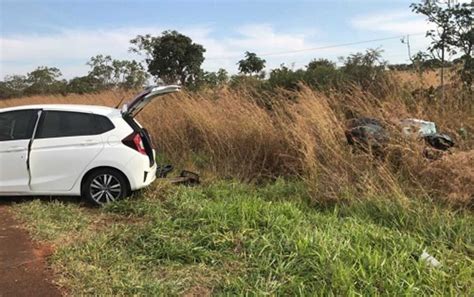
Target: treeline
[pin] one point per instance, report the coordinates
(105, 73)
(422, 61)
(367, 70)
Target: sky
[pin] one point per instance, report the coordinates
(66, 34)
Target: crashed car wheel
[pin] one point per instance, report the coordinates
(104, 186)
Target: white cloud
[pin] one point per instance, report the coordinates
(264, 39)
(398, 22)
(261, 39)
(69, 50)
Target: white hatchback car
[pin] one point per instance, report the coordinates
(97, 152)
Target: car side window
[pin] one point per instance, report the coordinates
(17, 125)
(65, 124)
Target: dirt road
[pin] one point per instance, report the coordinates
(22, 264)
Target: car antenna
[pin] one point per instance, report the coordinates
(120, 102)
(123, 97)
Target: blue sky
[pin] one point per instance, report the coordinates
(65, 34)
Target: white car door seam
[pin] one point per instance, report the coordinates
(30, 144)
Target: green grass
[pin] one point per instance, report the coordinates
(229, 238)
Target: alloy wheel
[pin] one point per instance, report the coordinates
(105, 188)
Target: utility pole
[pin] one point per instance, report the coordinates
(406, 40)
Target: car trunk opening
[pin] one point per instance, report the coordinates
(130, 111)
(145, 138)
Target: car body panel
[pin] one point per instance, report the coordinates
(71, 157)
(14, 153)
(96, 109)
(14, 174)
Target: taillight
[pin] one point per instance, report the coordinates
(135, 142)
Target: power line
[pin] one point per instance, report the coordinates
(319, 48)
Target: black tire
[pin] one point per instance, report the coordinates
(104, 185)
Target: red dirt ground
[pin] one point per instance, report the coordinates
(23, 270)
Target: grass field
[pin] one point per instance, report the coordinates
(229, 238)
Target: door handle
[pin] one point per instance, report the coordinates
(16, 149)
(89, 142)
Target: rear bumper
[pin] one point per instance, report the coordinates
(139, 172)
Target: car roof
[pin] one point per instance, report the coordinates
(97, 109)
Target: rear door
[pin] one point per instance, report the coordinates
(16, 130)
(65, 143)
(139, 102)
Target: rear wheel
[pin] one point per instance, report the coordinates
(104, 185)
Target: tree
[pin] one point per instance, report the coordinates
(421, 61)
(83, 84)
(319, 74)
(110, 73)
(129, 74)
(222, 76)
(213, 79)
(44, 80)
(454, 33)
(171, 57)
(286, 78)
(252, 64)
(13, 86)
(365, 69)
(101, 71)
(314, 64)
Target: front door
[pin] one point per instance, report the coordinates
(16, 130)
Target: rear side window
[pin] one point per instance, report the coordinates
(66, 124)
(17, 125)
(104, 123)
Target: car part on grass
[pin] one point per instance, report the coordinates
(417, 127)
(429, 260)
(187, 178)
(163, 170)
(439, 141)
(367, 134)
(426, 258)
(427, 131)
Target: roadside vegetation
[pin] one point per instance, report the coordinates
(230, 238)
(256, 137)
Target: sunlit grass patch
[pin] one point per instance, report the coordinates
(52, 221)
(232, 238)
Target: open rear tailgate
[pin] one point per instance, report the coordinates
(141, 100)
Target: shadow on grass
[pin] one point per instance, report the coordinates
(9, 200)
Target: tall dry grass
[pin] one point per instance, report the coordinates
(227, 133)
(424, 79)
